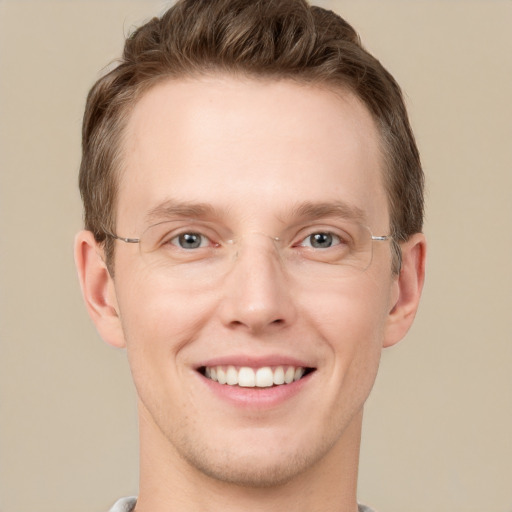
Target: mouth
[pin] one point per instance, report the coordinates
(248, 377)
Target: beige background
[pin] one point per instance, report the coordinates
(438, 426)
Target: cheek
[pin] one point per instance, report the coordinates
(158, 320)
(150, 303)
(351, 323)
(351, 311)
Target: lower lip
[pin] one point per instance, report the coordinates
(256, 398)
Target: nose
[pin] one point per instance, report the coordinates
(257, 294)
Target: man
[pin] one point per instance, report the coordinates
(253, 213)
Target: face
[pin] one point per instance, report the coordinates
(234, 165)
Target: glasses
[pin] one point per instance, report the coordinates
(200, 251)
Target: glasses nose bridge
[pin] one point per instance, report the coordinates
(258, 244)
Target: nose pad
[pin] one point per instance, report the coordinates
(240, 243)
(255, 293)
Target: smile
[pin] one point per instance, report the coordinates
(247, 377)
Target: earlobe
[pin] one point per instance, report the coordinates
(409, 286)
(98, 289)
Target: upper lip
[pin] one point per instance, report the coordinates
(255, 362)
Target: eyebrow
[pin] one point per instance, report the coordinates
(339, 209)
(306, 210)
(172, 208)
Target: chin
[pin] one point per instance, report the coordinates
(251, 472)
(257, 464)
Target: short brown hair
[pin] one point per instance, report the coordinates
(274, 39)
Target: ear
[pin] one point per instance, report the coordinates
(407, 290)
(98, 289)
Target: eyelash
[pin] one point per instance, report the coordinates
(335, 238)
(190, 233)
(175, 240)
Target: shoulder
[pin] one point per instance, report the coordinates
(124, 504)
(364, 508)
(128, 504)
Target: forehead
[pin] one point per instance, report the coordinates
(239, 144)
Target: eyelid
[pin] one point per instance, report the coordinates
(179, 228)
(337, 240)
(176, 238)
(342, 234)
(219, 236)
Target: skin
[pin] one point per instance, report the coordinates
(252, 150)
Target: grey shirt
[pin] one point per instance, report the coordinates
(128, 504)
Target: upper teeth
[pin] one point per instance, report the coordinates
(254, 377)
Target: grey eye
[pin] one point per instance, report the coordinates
(321, 240)
(190, 241)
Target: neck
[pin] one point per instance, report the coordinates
(169, 483)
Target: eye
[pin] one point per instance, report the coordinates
(322, 240)
(190, 241)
